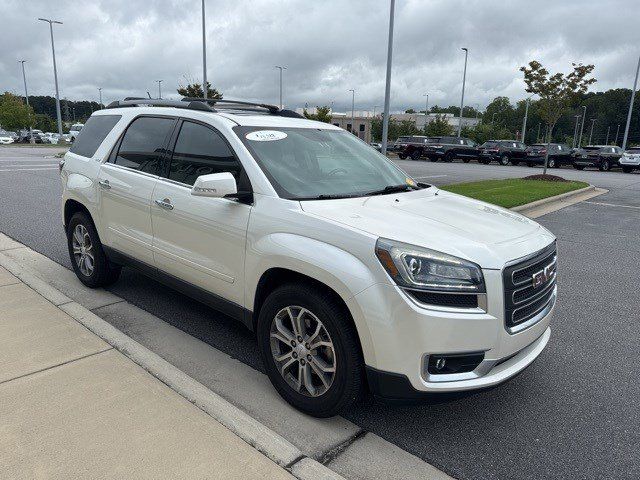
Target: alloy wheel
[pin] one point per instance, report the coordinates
(303, 351)
(83, 250)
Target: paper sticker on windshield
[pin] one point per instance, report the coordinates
(265, 135)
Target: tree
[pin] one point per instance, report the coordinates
(14, 114)
(45, 123)
(194, 89)
(323, 114)
(438, 127)
(410, 110)
(556, 92)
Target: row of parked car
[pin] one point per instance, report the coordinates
(38, 136)
(505, 152)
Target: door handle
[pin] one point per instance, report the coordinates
(104, 184)
(166, 204)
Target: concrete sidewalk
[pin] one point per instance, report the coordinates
(71, 406)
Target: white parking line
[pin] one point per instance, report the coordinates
(26, 169)
(613, 205)
(27, 165)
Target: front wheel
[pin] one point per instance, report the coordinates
(604, 166)
(91, 265)
(551, 163)
(504, 160)
(415, 155)
(310, 350)
(448, 157)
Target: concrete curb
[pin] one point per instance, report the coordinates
(556, 198)
(263, 439)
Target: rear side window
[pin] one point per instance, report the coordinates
(143, 143)
(93, 134)
(199, 151)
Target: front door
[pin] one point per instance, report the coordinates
(125, 184)
(201, 240)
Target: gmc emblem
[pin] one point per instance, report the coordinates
(541, 277)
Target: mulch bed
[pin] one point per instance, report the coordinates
(546, 178)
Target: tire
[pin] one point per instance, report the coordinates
(552, 163)
(504, 160)
(448, 157)
(346, 386)
(83, 242)
(466, 160)
(415, 155)
(604, 166)
(402, 156)
(627, 169)
(579, 167)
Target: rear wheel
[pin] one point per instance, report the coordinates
(310, 349)
(415, 155)
(448, 157)
(627, 169)
(551, 163)
(88, 259)
(604, 166)
(504, 160)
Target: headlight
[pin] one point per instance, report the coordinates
(425, 269)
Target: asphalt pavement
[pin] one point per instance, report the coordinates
(573, 414)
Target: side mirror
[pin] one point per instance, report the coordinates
(216, 185)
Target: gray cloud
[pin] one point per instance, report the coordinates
(328, 47)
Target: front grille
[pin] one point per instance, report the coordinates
(529, 286)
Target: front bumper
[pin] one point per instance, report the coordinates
(404, 334)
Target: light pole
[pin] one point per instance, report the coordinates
(524, 121)
(159, 89)
(538, 135)
(26, 96)
(55, 71)
(593, 120)
(353, 103)
(426, 109)
(575, 131)
(584, 118)
(606, 142)
(633, 95)
(279, 67)
(387, 88)
(464, 79)
(617, 133)
(374, 110)
(204, 56)
(100, 92)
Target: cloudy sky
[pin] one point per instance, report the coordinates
(328, 46)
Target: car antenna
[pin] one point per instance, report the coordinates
(148, 94)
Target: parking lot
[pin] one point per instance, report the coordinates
(573, 414)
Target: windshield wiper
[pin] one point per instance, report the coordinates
(393, 189)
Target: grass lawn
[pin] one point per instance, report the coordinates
(513, 191)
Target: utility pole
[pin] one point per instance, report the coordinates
(205, 88)
(584, 119)
(426, 109)
(26, 96)
(55, 71)
(353, 103)
(387, 88)
(633, 95)
(281, 68)
(575, 131)
(100, 92)
(159, 89)
(524, 122)
(464, 79)
(617, 133)
(593, 120)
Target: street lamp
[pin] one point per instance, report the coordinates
(633, 95)
(464, 79)
(606, 142)
(279, 67)
(575, 130)
(353, 103)
(617, 133)
(159, 89)
(100, 92)
(26, 96)
(593, 120)
(204, 56)
(526, 114)
(584, 118)
(387, 88)
(55, 71)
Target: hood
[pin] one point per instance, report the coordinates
(482, 233)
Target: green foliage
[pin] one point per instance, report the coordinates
(14, 114)
(45, 123)
(194, 89)
(483, 132)
(396, 129)
(410, 110)
(438, 127)
(323, 114)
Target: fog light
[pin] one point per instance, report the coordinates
(440, 363)
(453, 363)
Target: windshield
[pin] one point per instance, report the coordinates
(304, 163)
(633, 150)
(489, 144)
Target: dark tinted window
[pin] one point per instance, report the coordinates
(200, 151)
(143, 143)
(93, 134)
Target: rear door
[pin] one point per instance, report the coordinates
(201, 240)
(126, 182)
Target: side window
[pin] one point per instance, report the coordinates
(143, 143)
(93, 134)
(200, 151)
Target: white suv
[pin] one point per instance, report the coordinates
(353, 276)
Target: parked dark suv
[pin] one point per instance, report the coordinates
(559, 154)
(412, 147)
(443, 148)
(604, 157)
(502, 151)
(400, 144)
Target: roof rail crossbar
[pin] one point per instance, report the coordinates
(239, 104)
(155, 102)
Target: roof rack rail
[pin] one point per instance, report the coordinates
(202, 104)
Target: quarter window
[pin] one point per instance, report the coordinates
(143, 143)
(201, 151)
(93, 134)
